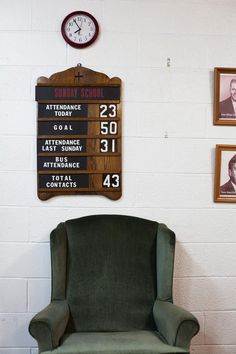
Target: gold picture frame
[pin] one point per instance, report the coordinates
(225, 174)
(225, 96)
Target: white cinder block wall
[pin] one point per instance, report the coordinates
(168, 150)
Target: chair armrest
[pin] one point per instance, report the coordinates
(175, 324)
(48, 326)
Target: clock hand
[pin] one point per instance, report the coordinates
(77, 24)
(78, 31)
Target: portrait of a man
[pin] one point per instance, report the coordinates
(228, 105)
(229, 188)
(224, 96)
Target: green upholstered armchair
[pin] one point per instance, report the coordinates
(112, 290)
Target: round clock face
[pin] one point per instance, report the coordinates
(79, 29)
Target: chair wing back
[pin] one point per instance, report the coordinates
(106, 267)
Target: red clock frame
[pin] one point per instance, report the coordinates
(79, 45)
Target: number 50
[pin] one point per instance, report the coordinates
(108, 128)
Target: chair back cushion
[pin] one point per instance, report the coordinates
(111, 273)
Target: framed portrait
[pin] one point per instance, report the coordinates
(225, 96)
(225, 174)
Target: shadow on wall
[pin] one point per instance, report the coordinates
(211, 84)
(202, 287)
(196, 292)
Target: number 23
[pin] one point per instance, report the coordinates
(104, 110)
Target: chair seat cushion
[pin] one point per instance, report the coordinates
(134, 342)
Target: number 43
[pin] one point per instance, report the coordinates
(111, 181)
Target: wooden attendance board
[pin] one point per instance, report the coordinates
(79, 134)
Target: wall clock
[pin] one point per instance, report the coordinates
(79, 29)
